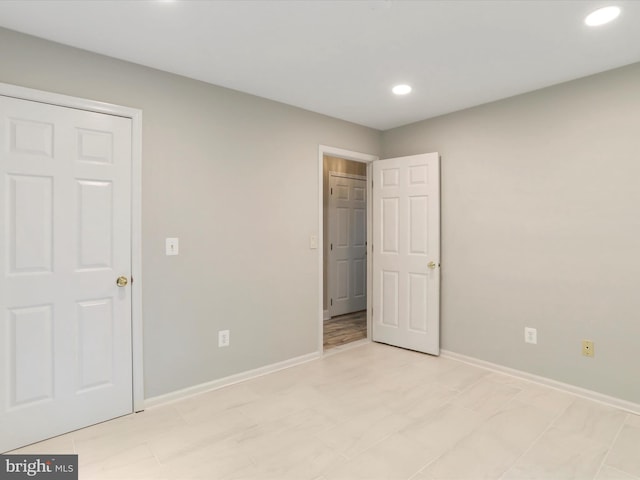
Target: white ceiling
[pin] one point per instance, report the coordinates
(341, 58)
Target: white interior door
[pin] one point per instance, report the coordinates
(65, 230)
(406, 252)
(348, 244)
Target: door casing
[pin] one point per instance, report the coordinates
(135, 115)
(356, 157)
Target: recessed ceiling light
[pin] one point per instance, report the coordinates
(602, 16)
(401, 89)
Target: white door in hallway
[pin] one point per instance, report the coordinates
(65, 233)
(406, 252)
(348, 244)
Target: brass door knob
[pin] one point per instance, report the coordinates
(122, 281)
(431, 265)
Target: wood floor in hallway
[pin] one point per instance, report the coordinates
(345, 329)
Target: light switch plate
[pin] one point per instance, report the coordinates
(313, 242)
(172, 246)
(223, 338)
(530, 335)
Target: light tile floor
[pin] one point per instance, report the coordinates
(370, 412)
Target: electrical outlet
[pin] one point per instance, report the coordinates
(587, 348)
(223, 338)
(530, 335)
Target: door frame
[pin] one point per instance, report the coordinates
(330, 229)
(356, 157)
(135, 115)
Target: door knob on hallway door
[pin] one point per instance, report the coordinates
(431, 265)
(122, 281)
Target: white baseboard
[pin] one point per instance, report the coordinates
(326, 315)
(347, 346)
(548, 382)
(230, 380)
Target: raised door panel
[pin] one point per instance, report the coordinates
(418, 221)
(359, 228)
(390, 225)
(342, 280)
(31, 137)
(342, 238)
(29, 201)
(30, 355)
(390, 298)
(95, 224)
(95, 146)
(418, 285)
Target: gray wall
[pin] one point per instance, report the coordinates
(541, 228)
(235, 177)
(540, 224)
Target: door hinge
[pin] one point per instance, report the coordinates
(332, 246)
(331, 190)
(332, 302)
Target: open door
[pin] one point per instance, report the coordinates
(406, 252)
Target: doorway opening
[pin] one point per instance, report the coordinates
(345, 222)
(403, 214)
